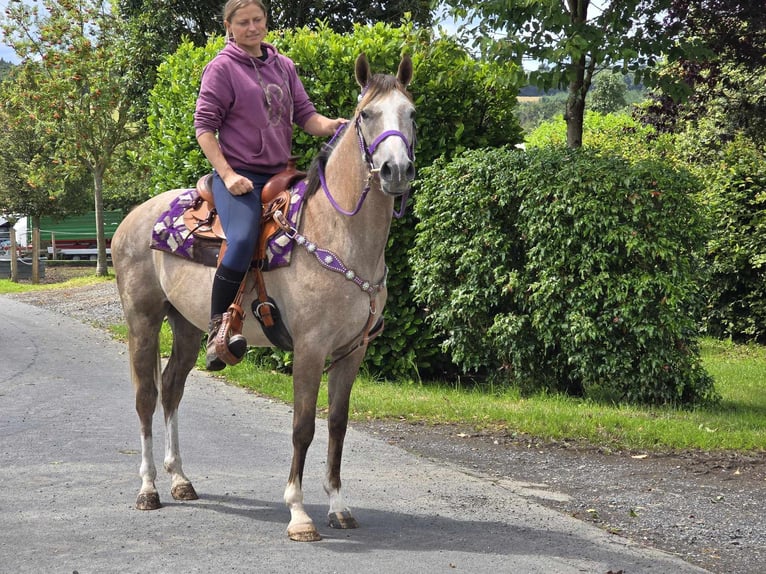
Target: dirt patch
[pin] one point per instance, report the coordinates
(704, 507)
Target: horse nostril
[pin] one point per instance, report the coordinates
(410, 172)
(385, 172)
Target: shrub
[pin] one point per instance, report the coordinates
(734, 191)
(464, 104)
(565, 270)
(614, 133)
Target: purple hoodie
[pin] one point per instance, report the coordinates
(252, 104)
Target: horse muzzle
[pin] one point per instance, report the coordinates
(396, 177)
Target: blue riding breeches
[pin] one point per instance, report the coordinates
(240, 218)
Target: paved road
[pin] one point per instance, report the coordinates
(69, 476)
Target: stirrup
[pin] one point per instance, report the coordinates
(229, 348)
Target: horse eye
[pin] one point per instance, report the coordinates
(365, 115)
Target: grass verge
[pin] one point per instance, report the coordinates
(737, 424)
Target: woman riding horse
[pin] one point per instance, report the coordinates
(248, 100)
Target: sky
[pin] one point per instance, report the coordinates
(6, 52)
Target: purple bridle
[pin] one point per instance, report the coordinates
(367, 152)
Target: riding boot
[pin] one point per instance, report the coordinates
(225, 286)
(212, 362)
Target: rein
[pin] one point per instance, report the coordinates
(367, 153)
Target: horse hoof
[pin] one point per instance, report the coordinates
(148, 501)
(342, 520)
(184, 491)
(303, 533)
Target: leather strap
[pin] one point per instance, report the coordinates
(231, 324)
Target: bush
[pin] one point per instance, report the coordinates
(734, 191)
(464, 104)
(565, 270)
(614, 133)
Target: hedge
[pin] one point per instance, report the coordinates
(565, 271)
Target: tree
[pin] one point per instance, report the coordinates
(608, 94)
(728, 84)
(79, 95)
(5, 68)
(341, 15)
(30, 185)
(576, 39)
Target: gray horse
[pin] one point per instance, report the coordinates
(330, 296)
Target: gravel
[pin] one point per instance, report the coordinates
(704, 507)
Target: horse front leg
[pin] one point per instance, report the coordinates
(307, 374)
(186, 339)
(340, 382)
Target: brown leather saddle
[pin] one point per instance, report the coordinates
(202, 221)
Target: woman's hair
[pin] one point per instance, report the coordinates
(233, 5)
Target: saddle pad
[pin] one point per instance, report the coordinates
(170, 233)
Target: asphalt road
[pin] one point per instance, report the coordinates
(69, 476)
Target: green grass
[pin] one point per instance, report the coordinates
(737, 424)
(8, 286)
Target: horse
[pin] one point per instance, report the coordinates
(331, 292)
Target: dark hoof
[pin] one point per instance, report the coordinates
(342, 520)
(148, 501)
(303, 533)
(184, 492)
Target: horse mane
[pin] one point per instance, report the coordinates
(378, 84)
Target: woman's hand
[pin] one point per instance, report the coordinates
(237, 184)
(319, 125)
(335, 125)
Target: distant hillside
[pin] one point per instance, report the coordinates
(5, 68)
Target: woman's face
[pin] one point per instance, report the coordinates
(248, 28)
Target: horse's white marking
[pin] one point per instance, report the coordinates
(173, 463)
(337, 504)
(294, 501)
(148, 471)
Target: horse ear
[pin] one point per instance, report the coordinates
(404, 74)
(362, 70)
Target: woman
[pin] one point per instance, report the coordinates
(249, 98)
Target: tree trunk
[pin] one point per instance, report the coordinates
(14, 260)
(574, 115)
(578, 86)
(102, 269)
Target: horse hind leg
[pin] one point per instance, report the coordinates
(186, 345)
(143, 347)
(340, 381)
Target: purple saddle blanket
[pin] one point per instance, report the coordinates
(170, 233)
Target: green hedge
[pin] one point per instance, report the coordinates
(734, 192)
(566, 271)
(461, 104)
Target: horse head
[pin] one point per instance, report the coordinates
(385, 125)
